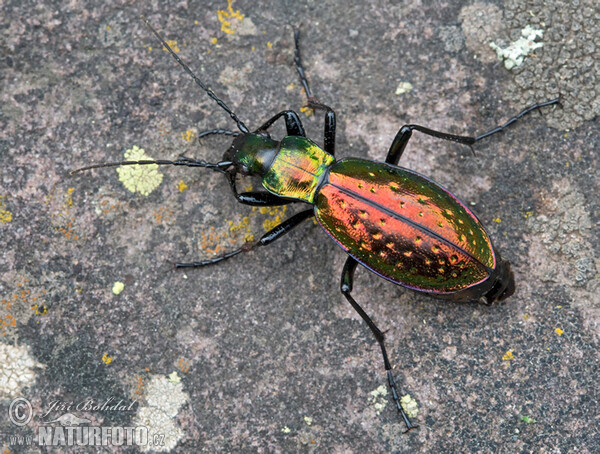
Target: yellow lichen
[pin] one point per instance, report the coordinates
(107, 359)
(5, 215)
(181, 186)
(508, 356)
(139, 178)
(118, 287)
(225, 17)
(189, 135)
(172, 44)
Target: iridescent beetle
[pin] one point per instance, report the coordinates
(393, 221)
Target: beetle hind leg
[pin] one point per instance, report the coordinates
(346, 288)
(404, 134)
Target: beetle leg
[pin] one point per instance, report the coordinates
(293, 125)
(402, 137)
(329, 132)
(256, 198)
(273, 234)
(346, 288)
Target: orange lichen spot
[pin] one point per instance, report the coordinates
(183, 365)
(162, 129)
(214, 40)
(140, 385)
(226, 18)
(497, 220)
(559, 331)
(269, 44)
(107, 359)
(163, 216)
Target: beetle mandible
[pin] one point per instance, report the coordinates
(395, 222)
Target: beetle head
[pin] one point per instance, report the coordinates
(252, 153)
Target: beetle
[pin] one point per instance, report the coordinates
(391, 220)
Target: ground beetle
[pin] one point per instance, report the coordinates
(393, 221)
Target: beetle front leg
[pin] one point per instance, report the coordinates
(346, 288)
(329, 129)
(272, 235)
(293, 125)
(403, 136)
(256, 198)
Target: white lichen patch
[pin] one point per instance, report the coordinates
(139, 178)
(16, 370)
(160, 427)
(163, 401)
(410, 406)
(378, 398)
(403, 87)
(515, 53)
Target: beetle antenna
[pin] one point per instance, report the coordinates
(182, 161)
(241, 126)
